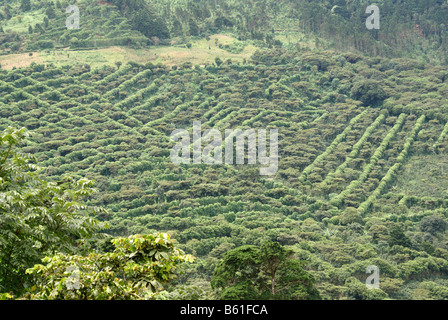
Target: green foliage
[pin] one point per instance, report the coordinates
(137, 269)
(434, 224)
(359, 291)
(50, 12)
(270, 272)
(398, 237)
(369, 92)
(193, 28)
(218, 61)
(351, 215)
(37, 217)
(331, 148)
(25, 5)
(102, 25)
(149, 25)
(371, 177)
(185, 292)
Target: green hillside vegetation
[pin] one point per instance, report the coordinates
(43, 27)
(415, 29)
(112, 125)
(362, 171)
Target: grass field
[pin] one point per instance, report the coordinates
(201, 52)
(19, 60)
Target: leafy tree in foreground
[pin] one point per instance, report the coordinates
(136, 269)
(269, 272)
(37, 217)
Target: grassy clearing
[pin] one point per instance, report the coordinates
(201, 52)
(95, 58)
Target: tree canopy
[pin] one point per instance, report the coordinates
(136, 270)
(269, 272)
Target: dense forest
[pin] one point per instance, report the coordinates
(86, 177)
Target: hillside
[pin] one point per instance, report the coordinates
(414, 29)
(362, 173)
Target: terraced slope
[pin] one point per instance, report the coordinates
(338, 190)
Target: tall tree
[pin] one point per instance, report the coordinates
(176, 29)
(149, 24)
(143, 18)
(193, 28)
(269, 272)
(25, 5)
(36, 217)
(51, 14)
